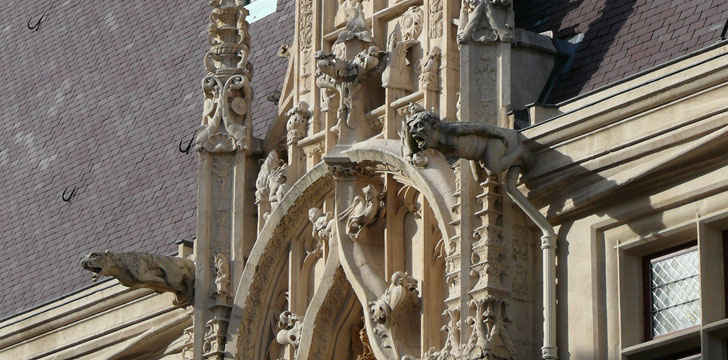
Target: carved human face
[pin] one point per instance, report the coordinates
(422, 133)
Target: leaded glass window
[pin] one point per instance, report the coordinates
(674, 291)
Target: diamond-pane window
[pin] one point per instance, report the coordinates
(674, 291)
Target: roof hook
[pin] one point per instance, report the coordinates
(69, 197)
(187, 149)
(42, 17)
(36, 27)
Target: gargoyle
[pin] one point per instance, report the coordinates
(139, 270)
(363, 211)
(497, 149)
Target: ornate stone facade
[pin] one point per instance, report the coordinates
(383, 218)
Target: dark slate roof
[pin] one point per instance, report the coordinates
(622, 37)
(98, 99)
(267, 35)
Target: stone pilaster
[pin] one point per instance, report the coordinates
(225, 173)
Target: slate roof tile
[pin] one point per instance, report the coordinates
(98, 99)
(644, 32)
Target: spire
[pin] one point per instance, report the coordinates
(226, 124)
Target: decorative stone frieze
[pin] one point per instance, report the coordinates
(139, 270)
(364, 210)
(486, 21)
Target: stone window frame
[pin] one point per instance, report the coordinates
(647, 290)
(709, 337)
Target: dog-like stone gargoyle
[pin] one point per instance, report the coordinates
(497, 149)
(139, 270)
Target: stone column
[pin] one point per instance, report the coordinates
(485, 32)
(225, 173)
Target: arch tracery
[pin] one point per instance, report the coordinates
(379, 165)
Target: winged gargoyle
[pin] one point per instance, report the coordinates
(363, 211)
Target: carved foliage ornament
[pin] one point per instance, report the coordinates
(489, 337)
(436, 15)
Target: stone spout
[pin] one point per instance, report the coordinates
(140, 270)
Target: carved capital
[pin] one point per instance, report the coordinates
(489, 337)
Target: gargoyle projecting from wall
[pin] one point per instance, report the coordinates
(497, 149)
(139, 270)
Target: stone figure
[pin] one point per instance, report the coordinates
(271, 182)
(222, 275)
(291, 326)
(322, 225)
(139, 270)
(486, 21)
(363, 211)
(497, 149)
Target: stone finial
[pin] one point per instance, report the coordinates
(226, 116)
(140, 270)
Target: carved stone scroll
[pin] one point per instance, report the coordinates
(226, 116)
